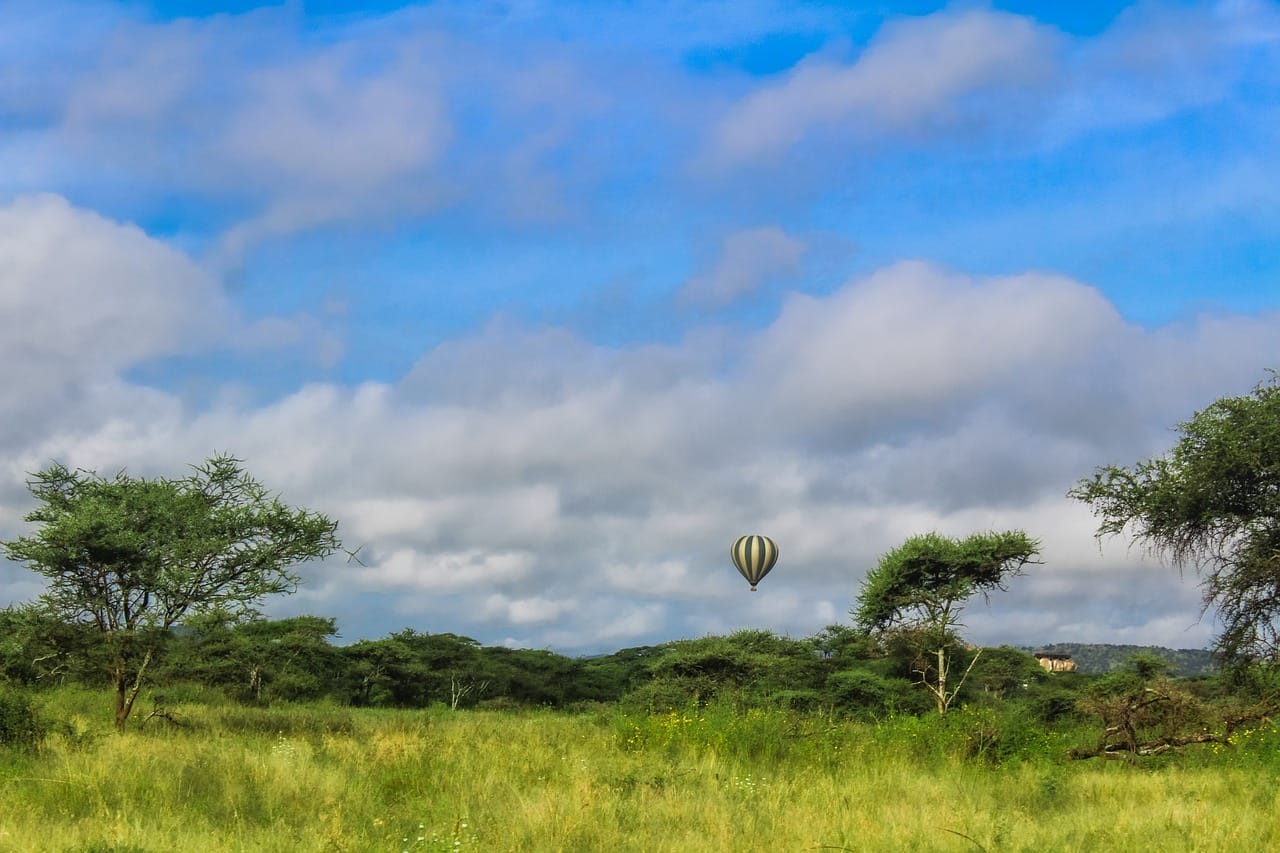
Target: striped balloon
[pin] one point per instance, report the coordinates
(754, 556)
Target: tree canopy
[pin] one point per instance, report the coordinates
(1211, 503)
(917, 591)
(132, 556)
(925, 580)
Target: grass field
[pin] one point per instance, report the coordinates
(328, 778)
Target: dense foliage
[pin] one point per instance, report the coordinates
(21, 724)
(262, 662)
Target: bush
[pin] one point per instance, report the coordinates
(798, 700)
(1053, 705)
(868, 694)
(860, 689)
(999, 736)
(665, 694)
(21, 725)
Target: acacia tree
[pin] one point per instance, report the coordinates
(131, 557)
(1211, 503)
(918, 590)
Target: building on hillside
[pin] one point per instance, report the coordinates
(1055, 662)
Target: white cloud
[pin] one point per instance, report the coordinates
(399, 117)
(410, 569)
(145, 75)
(83, 299)
(613, 623)
(912, 341)
(335, 142)
(663, 579)
(1158, 60)
(525, 611)
(81, 296)
(939, 78)
(323, 123)
(913, 74)
(285, 132)
(747, 260)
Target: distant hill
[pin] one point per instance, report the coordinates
(1105, 657)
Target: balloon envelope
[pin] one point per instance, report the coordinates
(754, 556)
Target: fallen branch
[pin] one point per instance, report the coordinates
(1127, 752)
(159, 710)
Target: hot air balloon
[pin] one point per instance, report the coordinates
(754, 556)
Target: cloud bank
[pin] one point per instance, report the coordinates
(549, 302)
(529, 486)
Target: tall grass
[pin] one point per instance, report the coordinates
(718, 778)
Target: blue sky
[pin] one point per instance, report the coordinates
(542, 298)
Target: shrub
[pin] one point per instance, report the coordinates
(1001, 735)
(864, 693)
(1052, 705)
(21, 725)
(667, 694)
(797, 700)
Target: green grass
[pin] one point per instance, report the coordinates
(330, 778)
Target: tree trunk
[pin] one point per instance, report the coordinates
(121, 680)
(941, 693)
(125, 694)
(255, 681)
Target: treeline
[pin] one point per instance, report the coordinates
(1009, 704)
(296, 659)
(1098, 658)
